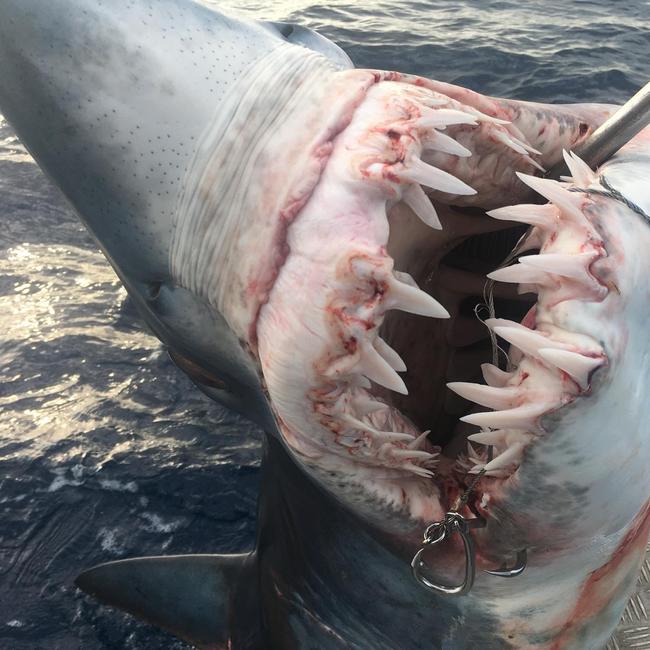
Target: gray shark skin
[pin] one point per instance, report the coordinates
(252, 190)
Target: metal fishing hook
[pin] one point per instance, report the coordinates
(455, 523)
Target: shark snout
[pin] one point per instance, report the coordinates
(112, 99)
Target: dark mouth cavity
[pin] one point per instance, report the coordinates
(440, 351)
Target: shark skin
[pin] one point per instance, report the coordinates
(262, 201)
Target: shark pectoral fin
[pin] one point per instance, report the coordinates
(209, 600)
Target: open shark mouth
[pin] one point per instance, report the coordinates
(377, 257)
(381, 272)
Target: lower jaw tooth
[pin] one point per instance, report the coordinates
(383, 437)
(411, 454)
(420, 441)
(364, 404)
(501, 437)
(416, 469)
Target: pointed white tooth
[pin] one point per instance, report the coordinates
(535, 164)
(569, 202)
(412, 454)
(355, 423)
(488, 437)
(420, 441)
(494, 376)
(442, 117)
(528, 341)
(428, 99)
(378, 436)
(523, 417)
(525, 145)
(420, 203)
(494, 398)
(544, 216)
(394, 360)
(359, 381)
(503, 322)
(476, 469)
(501, 437)
(441, 142)
(415, 469)
(521, 274)
(512, 455)
(574, 364)
(575, 266)
(502, 137)
(581, 173)
(484, 117)
(413, 300)
(391, 436)
(366, 404)
(377, 369)
(417, 171)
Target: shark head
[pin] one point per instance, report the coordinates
(112, 99)
(299, 233)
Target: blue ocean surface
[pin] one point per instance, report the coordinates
(106, 449)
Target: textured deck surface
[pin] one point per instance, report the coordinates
(634, 629)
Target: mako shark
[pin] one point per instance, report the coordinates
(291, 227)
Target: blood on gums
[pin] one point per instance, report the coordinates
(350, 344)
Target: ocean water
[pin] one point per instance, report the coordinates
(106, 449)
